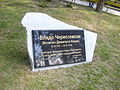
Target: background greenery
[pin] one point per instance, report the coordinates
(15, 73)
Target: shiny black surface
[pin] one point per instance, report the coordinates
(58, 47)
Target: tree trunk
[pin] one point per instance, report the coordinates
(100, 5)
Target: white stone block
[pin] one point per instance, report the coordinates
(39, 21)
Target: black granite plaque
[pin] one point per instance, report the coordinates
(58, 47)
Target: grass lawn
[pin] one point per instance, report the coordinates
(15, 73)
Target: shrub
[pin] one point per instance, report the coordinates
(43, 3)
(69, 5)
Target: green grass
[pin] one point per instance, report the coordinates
(15, 73)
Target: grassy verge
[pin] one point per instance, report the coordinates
(15, 73)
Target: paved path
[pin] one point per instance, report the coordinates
(105, 9)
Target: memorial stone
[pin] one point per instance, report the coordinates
(53, 44)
